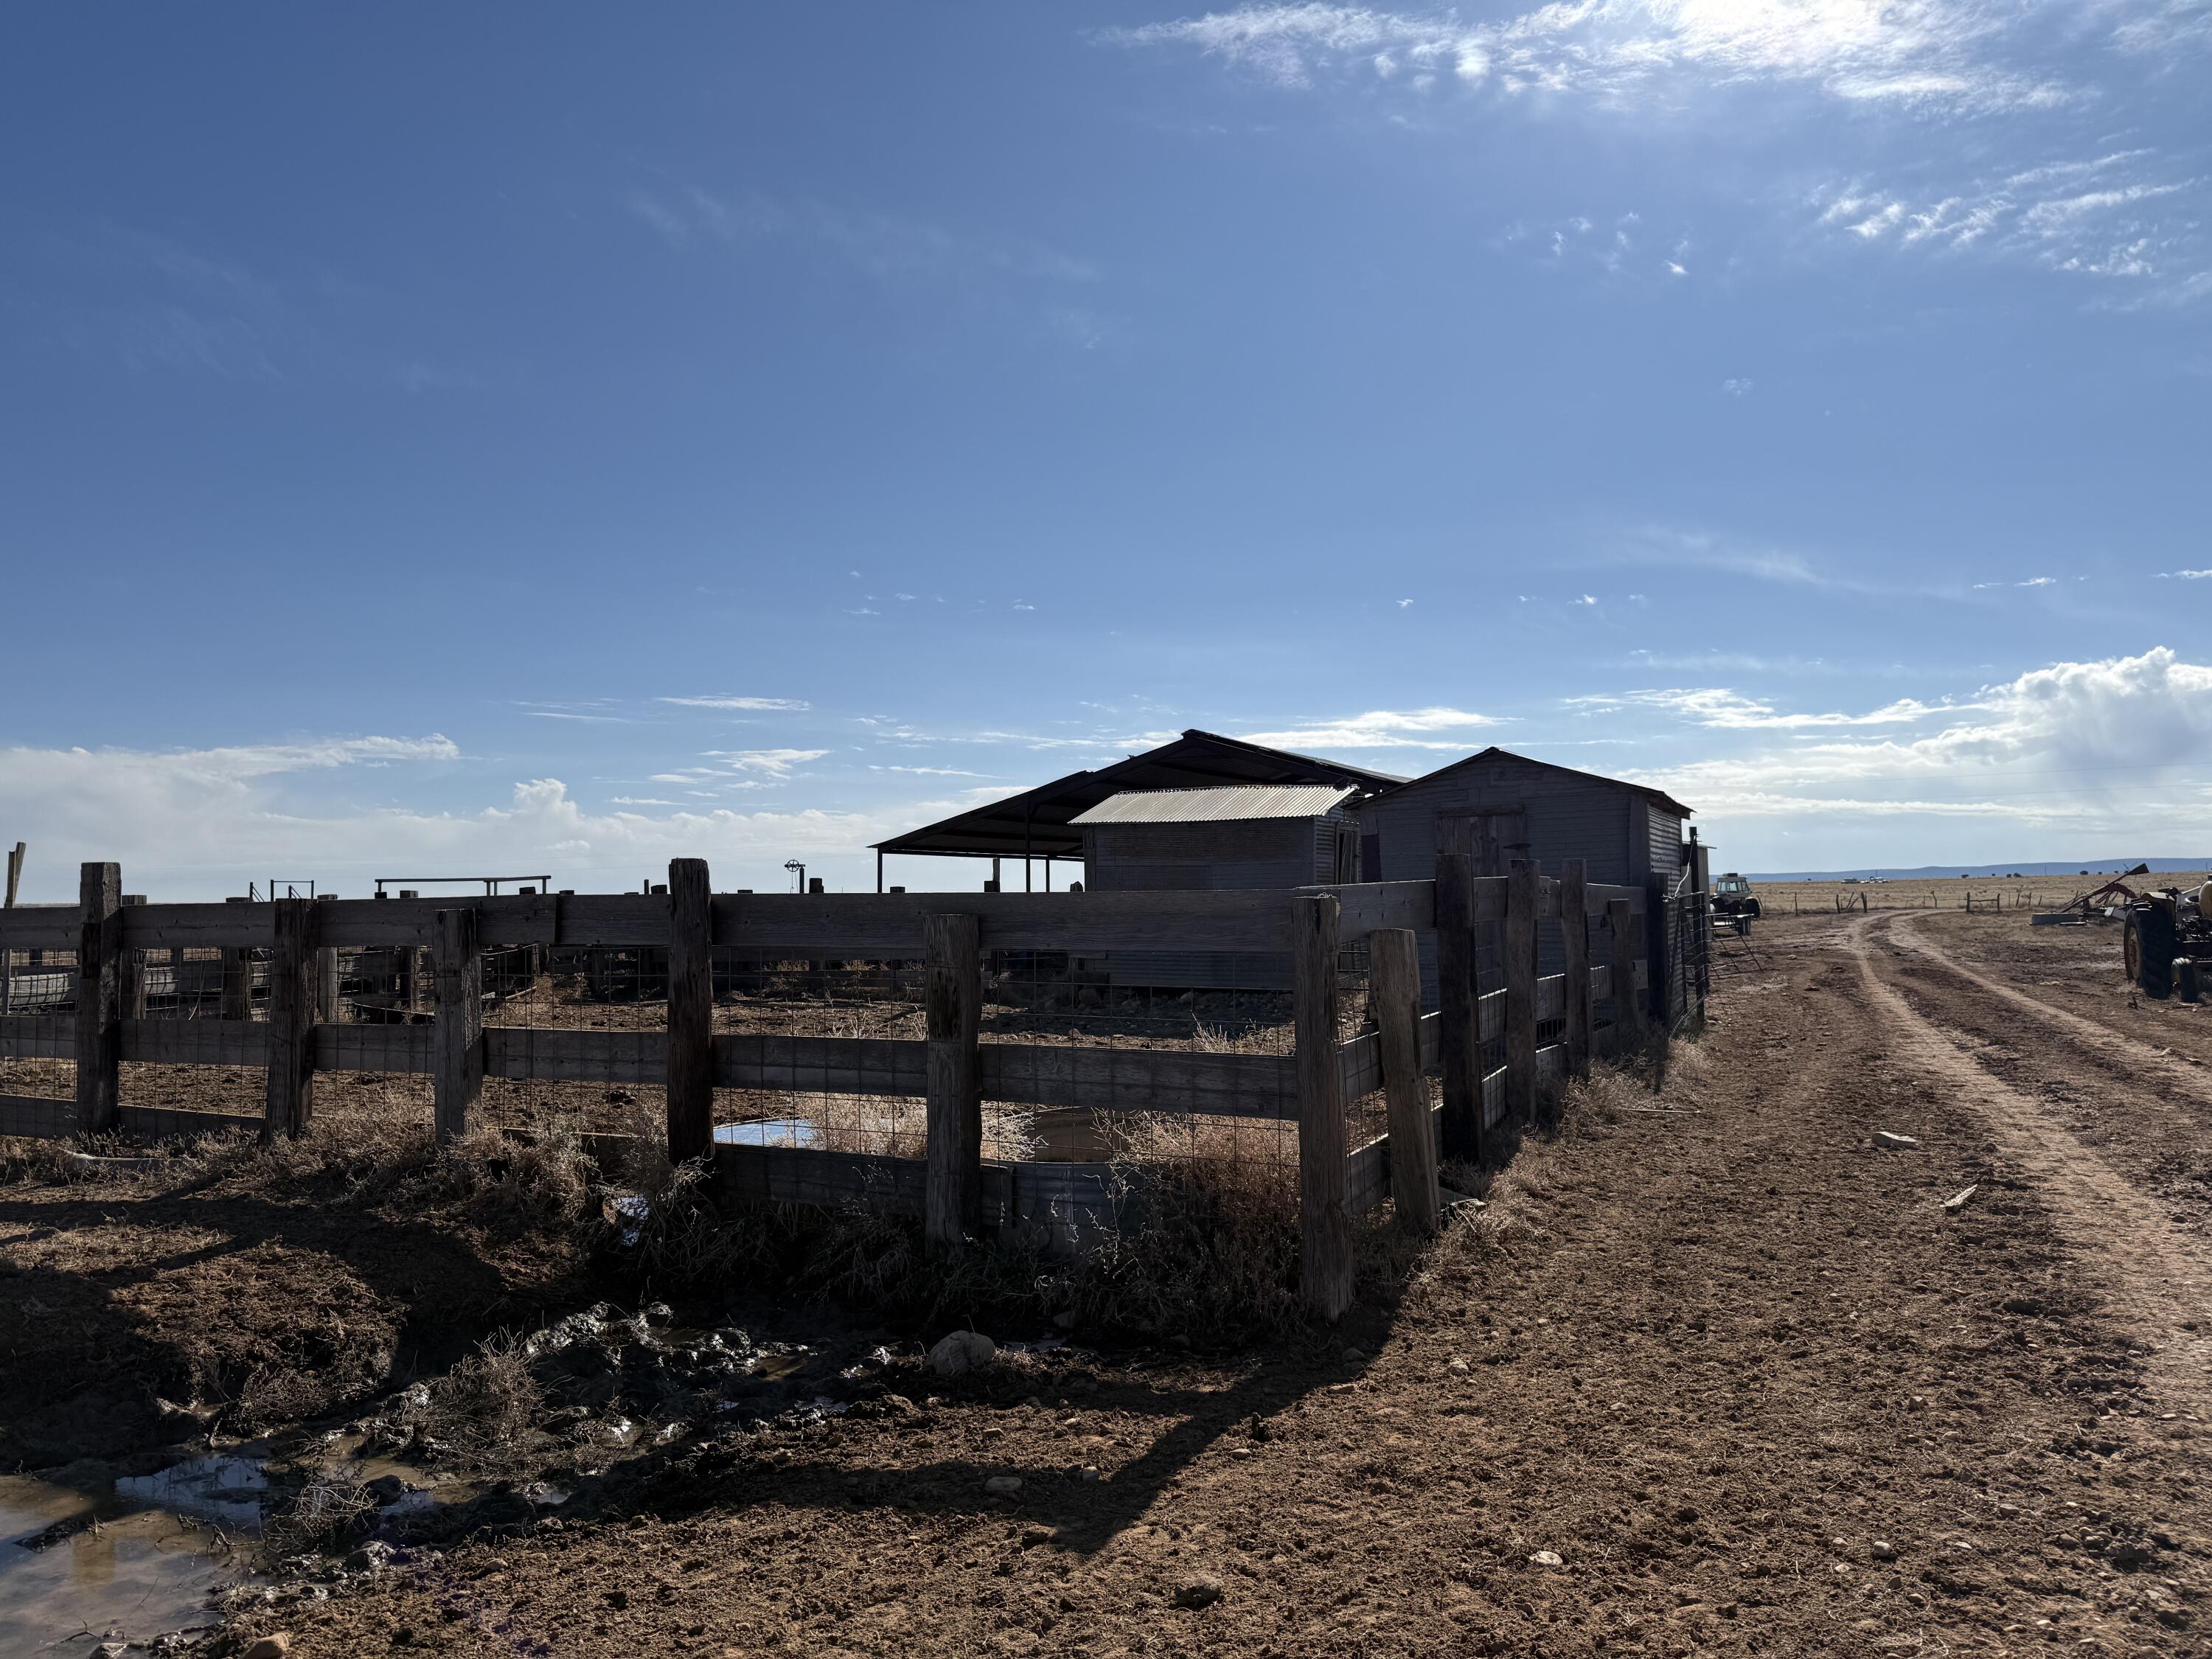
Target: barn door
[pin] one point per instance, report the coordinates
(1494, 835)
(1347, 854)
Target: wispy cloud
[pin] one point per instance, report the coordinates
(772, 762)
(2126, 215)
(725, 700)
(2184, 576)
(889, 246)
(1719, 709)
(1941, 54)
(1379, 729)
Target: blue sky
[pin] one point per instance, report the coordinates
(534, 438)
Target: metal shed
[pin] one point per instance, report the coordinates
(1499, 807)
(1036, 826)
(1202, 840)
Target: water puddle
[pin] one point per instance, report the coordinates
(769, 1132)
(228, 1490)
(77, 1567)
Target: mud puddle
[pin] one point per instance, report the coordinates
(79, 1567)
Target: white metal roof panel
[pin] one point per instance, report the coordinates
(1232, 805)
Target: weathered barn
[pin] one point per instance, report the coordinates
(1037, 826)
(1185, 840)
(1500, 806)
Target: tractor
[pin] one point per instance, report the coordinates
(2167, 944)
(1733, 904)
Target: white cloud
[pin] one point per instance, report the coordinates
(2109, 745)
(2185, 575)
(1722, 709)
(1943, 54)
(2111, 216)
(1378, 728)
(774, 763)
(786, 705)
(200, 824)
(1737, 388)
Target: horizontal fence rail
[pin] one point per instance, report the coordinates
(1494, 1047)
(858, 924)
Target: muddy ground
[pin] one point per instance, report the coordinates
(1713, 1375)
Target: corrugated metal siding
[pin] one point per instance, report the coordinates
(1663, 839)
(1203, 857)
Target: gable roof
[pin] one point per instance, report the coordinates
(1038, 823)
(1658, 796)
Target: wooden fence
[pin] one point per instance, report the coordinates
(950, 1069)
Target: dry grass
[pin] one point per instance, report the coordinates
(1211, 1247)
(483, 1414)
(331, 1511)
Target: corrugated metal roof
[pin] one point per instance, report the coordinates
(1229, 805)
(1036, 822)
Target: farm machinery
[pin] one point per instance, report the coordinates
(1732, 905)
(2167, 944)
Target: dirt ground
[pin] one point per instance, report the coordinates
(1712, 1375)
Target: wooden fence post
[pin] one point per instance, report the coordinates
(237, 980)
(690, 1012)
(1521, 990)
(1574, 933)
(1324, 1169)
(1627, 1007)
(8, 902)
(457, 1022)
(98, 997)
(1394, 991)
(953, 1131)
(1459, 1045)
(1658, 953)
(291, 1076)
(330, 999)
(133, 966)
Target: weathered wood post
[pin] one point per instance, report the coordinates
(1459, 1041)
(456, 1023)
(7, 956)
(291, 1075)
(1574, 934)
(1627, 1007)
(133, 966)
(1521, 891)
(690, 1011)
(1394, 988)
(330, 1001)
(953, 1135)
(1324, 1170)
(237, 979)
(98, 997)
(1658, 952)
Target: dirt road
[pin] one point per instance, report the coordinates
(1729, 1380)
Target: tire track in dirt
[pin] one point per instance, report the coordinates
(2116, 1049)
(2157, 1277)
